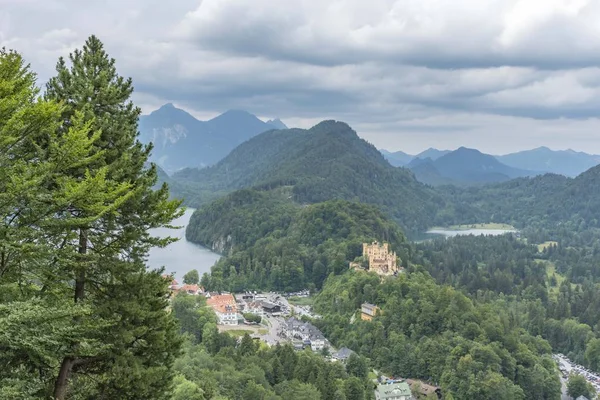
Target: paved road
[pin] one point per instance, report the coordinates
(274, 327)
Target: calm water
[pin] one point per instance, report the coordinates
(181, 256)
(476, 232)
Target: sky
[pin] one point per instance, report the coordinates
(497, 75)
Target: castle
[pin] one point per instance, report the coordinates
(379, 258)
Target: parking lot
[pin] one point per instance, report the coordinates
(567, 367)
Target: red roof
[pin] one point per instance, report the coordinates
(190, 288)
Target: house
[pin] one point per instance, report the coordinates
(225, 307)
(305, 331)
(424, 388)
(342, 354)
(270, 307)
(194, 290)
(368, 311)
(398, 390)
(254, 307)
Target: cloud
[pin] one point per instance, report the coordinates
(407, 74)
(432, 33)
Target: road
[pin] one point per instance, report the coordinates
(272, 337)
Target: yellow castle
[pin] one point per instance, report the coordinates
(380, 259)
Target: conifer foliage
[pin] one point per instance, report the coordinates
(80, 315)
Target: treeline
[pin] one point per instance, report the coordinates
(502, 264)
(216, 366)
(471, 349)
(80, 315)
(553, 292)
(277, 246)
(547, 203)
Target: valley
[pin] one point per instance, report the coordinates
(200, 205)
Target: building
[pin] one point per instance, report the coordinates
(295, 329)
(254, 307)
(194, 290)
(270, 307)
(425, 389)
(225, 307)
(379, 259)
(398, 390)
(342, 354)
(368, 311)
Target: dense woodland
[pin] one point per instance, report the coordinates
(473, 350)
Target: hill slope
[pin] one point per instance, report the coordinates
(549, 202)
(271, 243)
(565, 162)
(328, 161)
(180, 140)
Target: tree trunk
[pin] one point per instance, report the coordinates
(62, 382)
(80, 279)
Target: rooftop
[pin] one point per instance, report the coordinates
(387, 390)
(343, 353)
(220, 301)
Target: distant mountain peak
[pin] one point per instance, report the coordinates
(237, 112)
(180, 140)
(277, 123)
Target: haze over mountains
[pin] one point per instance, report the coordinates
(330, 161)
(181, 141)
(464, 167)
(529, 162)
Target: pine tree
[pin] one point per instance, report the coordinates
(110, 275)
(38, 196)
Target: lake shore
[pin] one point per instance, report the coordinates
(466, 227)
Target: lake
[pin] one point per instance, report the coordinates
(476, 232)
(182, 256)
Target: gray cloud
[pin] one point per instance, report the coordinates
(405, 74)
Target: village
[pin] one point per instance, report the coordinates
(277, 318)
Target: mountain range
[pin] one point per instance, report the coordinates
(181, 141)
(540, 160)
(328, 161)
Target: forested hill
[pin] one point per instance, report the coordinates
(547, 201)
(328, 161)
(274, 244)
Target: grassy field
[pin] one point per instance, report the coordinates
(550, 271)
(466, 227)
(301, 301)
(238, 332)
(545, 245)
